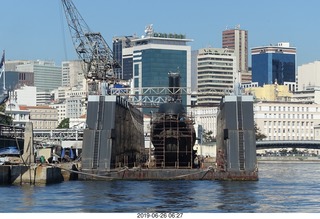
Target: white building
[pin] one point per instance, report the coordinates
(47, 76)
(277, 120)
(308, 75)
(70, 102)
(26, 95)
(44, 97)
(20, 116)
(72, 73)
(206, 117)
(61, 110)
(307, 96)
(217, 72)
(287, 120)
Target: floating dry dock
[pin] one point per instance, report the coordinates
(236, 153)
(106, 158)
(170, 174)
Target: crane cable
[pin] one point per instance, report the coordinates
(63, 33)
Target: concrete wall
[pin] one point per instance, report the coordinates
(18, 174)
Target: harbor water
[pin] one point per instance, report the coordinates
(283, 187)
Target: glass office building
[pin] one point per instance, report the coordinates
(272, 64)
(157, 54)
(119, 44)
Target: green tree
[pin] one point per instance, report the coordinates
(207, 136)
(64, 124)
(259, 135)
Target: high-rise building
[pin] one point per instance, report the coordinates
(157, 54)
(15, 79)
(47, 76)
(274, 64)
(72, 73)
(194, 70)
(217, 73)
(119, 44)
(237, 39)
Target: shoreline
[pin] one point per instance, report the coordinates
(288, 159)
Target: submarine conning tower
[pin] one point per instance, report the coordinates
(172, 131)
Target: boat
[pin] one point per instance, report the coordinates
(10, 155)
(9, 151)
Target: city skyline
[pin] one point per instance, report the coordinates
(37, 29)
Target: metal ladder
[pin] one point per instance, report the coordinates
(96, 144)
(240, 133)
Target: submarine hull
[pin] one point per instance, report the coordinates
(173, 137)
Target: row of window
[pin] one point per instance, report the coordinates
(284, 130)
(288, 116)
(216, 63)
(289, 138)
(288, 108)
(288, 123)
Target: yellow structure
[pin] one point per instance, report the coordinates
(270, 92)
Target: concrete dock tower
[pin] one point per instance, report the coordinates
(236, 142)
(114, 135)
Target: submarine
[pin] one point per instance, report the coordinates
(172, 130)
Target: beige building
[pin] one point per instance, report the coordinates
(270, 92)
(237, 39)
(217, 72)
(42, 117)
(287, 120)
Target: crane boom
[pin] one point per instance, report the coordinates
(92, 48)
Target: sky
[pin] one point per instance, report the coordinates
(37, 29)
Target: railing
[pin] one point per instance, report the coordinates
(309, 144)
(58, 134)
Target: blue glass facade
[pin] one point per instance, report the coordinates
(158, 62)
(153, 65)
(270, 67)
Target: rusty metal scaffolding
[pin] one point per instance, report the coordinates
(173, 138)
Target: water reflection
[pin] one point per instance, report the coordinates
(238, 197)
(173, 196)
(282, 187)
(27, 197)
